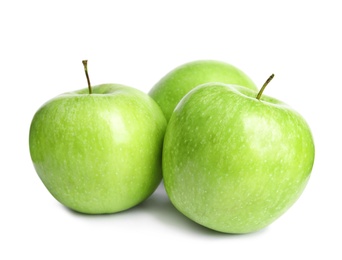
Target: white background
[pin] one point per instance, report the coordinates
(135, 43)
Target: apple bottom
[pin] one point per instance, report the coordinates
(241, 211)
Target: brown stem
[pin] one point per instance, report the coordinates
(85, 64)
(264, 86)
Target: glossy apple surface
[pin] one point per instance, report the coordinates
(234, 163)
(177, 83)
(101, 152)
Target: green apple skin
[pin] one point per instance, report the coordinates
(177, 83)
(99, 153)
(234, 163)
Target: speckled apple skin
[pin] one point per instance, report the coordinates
(233, 163)
(99, 153)
(169, 90)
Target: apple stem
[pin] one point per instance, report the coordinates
(85, 64)
(264, 86)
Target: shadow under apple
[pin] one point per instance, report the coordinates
(159, 206)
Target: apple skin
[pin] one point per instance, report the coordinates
(233, 163)
(99, 153)
(177, 83)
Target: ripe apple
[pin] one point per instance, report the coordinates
(177, 83)
(100, 152)
(235, 161)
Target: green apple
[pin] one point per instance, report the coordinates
(235, 161)
(100, 152)
(177, 83)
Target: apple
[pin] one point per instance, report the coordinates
(235, 160)
(177, 83)
(98, 150)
